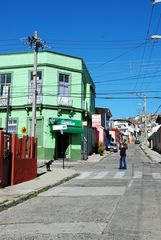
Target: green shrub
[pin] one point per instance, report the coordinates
(100, 148)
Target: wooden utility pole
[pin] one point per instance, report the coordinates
(8, 108)
(145, 115)
(37, 43)
(34, 101)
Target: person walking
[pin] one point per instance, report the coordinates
(123, 147)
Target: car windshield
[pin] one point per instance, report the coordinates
(113, 144)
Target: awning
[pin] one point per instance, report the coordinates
(73, 130)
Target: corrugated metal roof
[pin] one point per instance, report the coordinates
(154, 130)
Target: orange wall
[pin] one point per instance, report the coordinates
(115, 133)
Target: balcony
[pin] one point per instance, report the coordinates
(3, 101)
(38, 100)
(65, 101)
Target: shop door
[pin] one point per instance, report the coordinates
(62, 143)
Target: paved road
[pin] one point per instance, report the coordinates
(102, 203)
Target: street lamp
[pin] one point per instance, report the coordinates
(155, 37)
(155, 1)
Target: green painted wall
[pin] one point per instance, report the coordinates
(20, 66)
(76, 147)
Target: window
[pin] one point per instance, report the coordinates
(12, 126)
(64, 90)
(39, 87)
(63, 85)
(5, 82)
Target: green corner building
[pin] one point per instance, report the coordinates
(65, 102)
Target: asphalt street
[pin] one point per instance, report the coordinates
(102, 203)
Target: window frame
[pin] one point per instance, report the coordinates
(30, 84)
(5, 82)
(69, 84)
(3, 98)
(13, 119)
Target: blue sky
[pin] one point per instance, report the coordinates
(113, 38)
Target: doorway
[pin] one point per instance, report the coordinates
(62, 143)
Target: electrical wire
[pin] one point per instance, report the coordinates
(152, 49)
(143, 54)
(120, 55)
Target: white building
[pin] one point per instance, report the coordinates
(126, 127)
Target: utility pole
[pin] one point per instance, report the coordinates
(37, 43)
(34, 101)
(145, 136)
(145, 122)
(8, 105)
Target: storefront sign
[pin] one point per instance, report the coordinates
(68, 122)
(59, 127)
(96, 120)
(66, 125)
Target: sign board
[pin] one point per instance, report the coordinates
(96, 120)
(68, 122)
(59, 127)
(85, 123)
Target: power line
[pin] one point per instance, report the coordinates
(75, 96)
(143, 54)
(154, 44)
(117, 57)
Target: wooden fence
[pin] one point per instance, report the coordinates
(21, 156)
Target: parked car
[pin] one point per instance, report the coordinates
(113, 147)
(137, 141)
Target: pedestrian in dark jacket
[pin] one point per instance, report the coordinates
(123, 147)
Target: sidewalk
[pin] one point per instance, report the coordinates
(151, 154)
(13, 195)
(94, 158)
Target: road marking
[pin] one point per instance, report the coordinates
(119, 175)
(84, 175)
(101, 175)
(130, 184)
(156, 175)
(138, 174)
(84, 191)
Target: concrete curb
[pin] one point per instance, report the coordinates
(42, 163)
(25, 197)
(147, 155)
